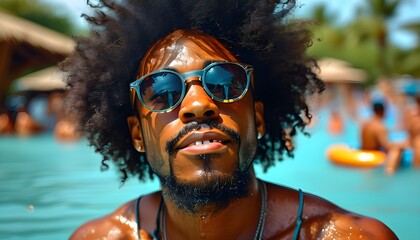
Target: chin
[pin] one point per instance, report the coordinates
(199, 170)
(211, 188)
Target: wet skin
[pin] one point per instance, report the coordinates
(224, 154)
(151, 131)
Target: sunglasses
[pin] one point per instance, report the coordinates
(164, 90)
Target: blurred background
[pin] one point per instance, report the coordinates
(367, 51)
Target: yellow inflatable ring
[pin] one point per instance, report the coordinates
(344, 155)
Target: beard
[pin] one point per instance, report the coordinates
(211, 190)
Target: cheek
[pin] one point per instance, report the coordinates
(155, 127)
(165, 128)
(245, 121)
(248, 143)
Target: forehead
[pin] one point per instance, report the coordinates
(184, 50)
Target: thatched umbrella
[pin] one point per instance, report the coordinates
(47, 79)
(340, 77)
(338, 71)
(25, 46)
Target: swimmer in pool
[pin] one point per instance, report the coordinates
(195, 92)
(374, 136)
(6, 122)
(413, 130)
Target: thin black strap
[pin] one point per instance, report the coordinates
(137, 211)
(299, 216)
(158, 217)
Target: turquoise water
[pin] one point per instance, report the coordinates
(49, 188)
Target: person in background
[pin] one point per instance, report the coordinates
(195, 92)
(26, 125)
(6, 122)
(413, 131)
(15, 118)
(335, 123)
(374, 136)
(64, 129)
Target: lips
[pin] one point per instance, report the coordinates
(203, 141)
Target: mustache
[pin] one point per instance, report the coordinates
(194, 126)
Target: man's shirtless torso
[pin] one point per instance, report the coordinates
(374, 135)
(320, 219)
(413, 131)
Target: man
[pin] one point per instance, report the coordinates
(374, 136)
(6, 122)
(195, 116)
(374, 133)
(413, 130)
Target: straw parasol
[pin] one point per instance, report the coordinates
(337, 71)
(25, 46)
(47, 79)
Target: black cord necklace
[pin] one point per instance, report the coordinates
(260, 227)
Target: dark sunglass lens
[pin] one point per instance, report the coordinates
(161, 91)
(226, 81)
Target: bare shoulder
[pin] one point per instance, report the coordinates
(322, 219)
(120, 224)
(359, 227)
(333, 222)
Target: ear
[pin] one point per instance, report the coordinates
(259, 118)
(136, 133)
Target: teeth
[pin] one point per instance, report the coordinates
(205, 142)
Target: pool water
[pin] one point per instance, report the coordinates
(49, 188)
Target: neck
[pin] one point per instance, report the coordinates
(237, 220)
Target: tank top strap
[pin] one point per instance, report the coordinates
(299, 216)
(137, 212)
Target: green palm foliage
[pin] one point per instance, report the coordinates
(39, 12)
(364, 41)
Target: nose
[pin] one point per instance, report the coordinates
(197, 105)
